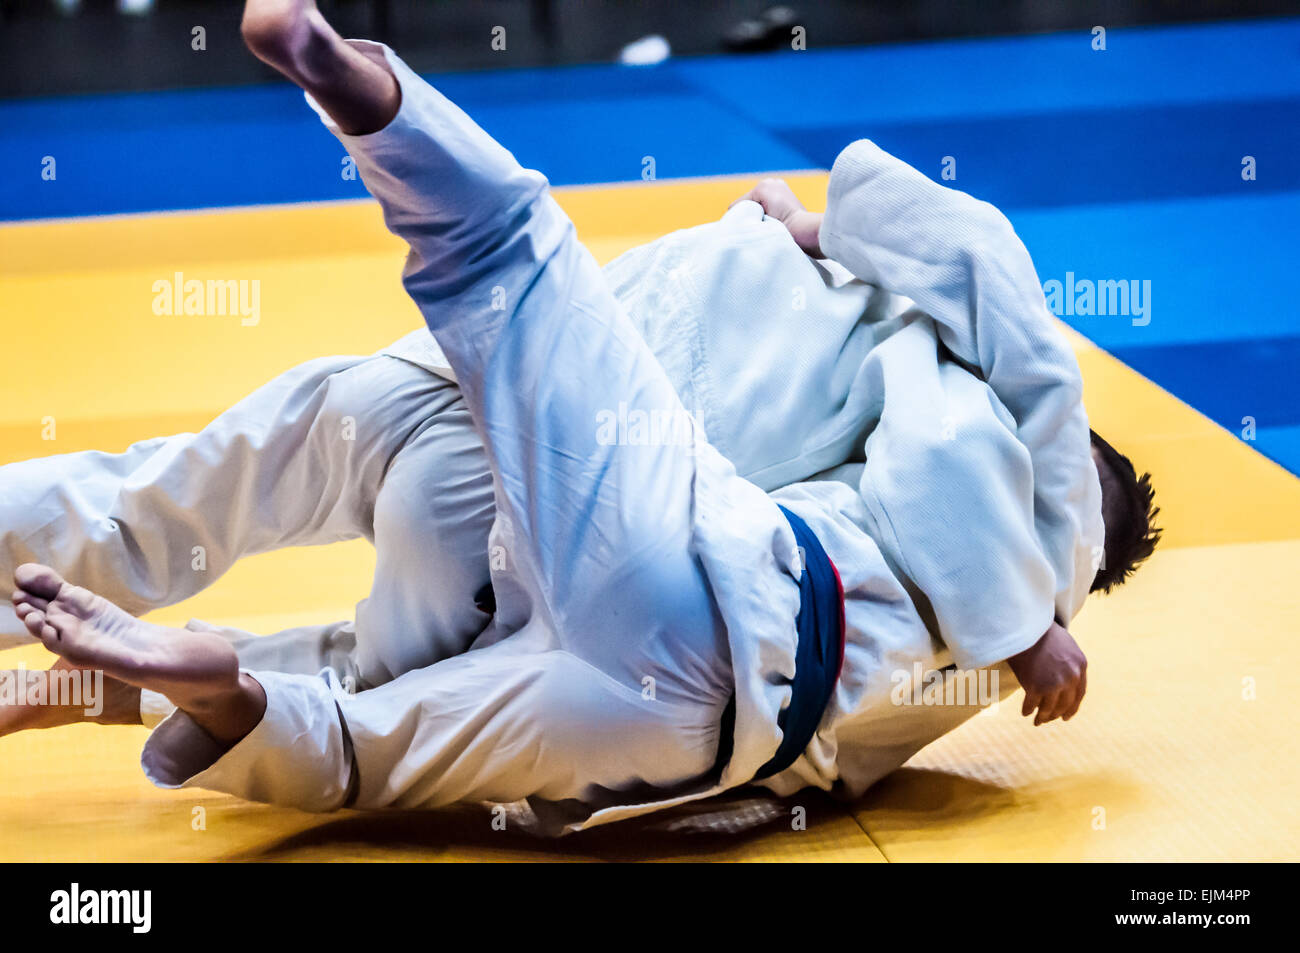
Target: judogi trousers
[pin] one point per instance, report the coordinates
(335, 449)
(604, 673)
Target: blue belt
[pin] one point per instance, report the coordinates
(817, 660)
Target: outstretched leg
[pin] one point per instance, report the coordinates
(164, 519)
(601, 592)
(541, 348)
(336, 448)
(197, 671)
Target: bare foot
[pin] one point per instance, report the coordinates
(279, 32)
(353, 85)
(189, 667)
(113, 702)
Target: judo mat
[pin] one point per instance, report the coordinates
(1183, 749)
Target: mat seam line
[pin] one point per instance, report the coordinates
(862, 827)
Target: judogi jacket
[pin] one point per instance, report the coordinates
(778, 356)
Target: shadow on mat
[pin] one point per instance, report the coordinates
(940, 815)
(718, 825)
(923, 794)
(719, 828)
(914, 797)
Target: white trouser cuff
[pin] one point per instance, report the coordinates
(297, 755)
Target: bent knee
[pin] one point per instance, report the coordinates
(379, 403)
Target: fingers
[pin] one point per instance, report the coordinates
(1046, 711)
(775, 196)
(1062, 703)
(1032, 700)
(1071, 696)
(750, 196)
(1078, 698)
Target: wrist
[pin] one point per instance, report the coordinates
(806, 228)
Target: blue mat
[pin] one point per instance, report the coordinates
(1138, 179)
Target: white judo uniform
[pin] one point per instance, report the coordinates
(641, 584)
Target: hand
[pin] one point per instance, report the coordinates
(780, 203)
(1054, 674)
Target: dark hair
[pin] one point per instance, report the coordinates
(1129, 512)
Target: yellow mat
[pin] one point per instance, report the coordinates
(1183, 749)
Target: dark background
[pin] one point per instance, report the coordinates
(44, 51)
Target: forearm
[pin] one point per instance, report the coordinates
(961, 262)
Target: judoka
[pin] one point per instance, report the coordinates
(660, 629)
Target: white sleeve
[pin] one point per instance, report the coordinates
(960, 260)
(951, 492)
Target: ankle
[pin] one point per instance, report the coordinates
(229, 713)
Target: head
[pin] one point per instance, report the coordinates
(1129, 512)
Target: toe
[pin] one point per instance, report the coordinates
(40, 625)
(76, 602)
(34, 619)
(58, 616)
(41, 581)
(24, 598)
